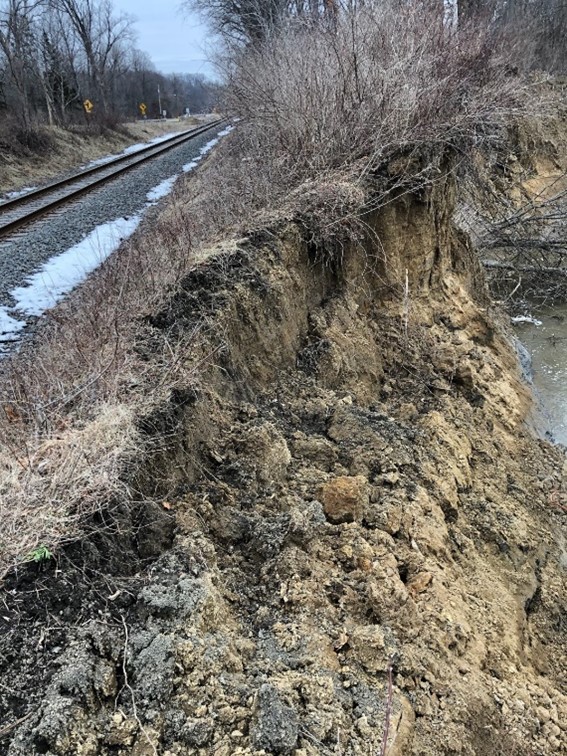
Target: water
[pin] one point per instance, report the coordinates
(547, 344)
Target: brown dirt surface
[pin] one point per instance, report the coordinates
(70, 149)
(348, 492)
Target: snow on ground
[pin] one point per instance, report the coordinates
(155, 140)
(206, 148)
(9, 326)
(63, 272)
(189, 166)
(19, 193)
(131, 149)
(161, 190)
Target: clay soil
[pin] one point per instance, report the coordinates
(345, 539)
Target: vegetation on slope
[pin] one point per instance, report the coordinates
(381, 514)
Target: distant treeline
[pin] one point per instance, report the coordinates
(542, 24)
(69, 61)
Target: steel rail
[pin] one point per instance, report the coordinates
(133, 159)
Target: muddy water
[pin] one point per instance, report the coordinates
(546, 341)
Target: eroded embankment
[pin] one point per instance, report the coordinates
(353, 492)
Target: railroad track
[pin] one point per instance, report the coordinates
(22, 210)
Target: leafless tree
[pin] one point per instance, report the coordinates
(17, 45)
(104, 37)
(55, 54)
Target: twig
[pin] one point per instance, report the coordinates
(127, 685)
(406, 306)
(384, 747)
(8, 728)
(514, 290)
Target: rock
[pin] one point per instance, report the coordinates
(543, 714)
(344, 498)
(275, 728)
(269, 450)
(319, 451)
(370, 648)
(390, 478)
(197, 733)
(464, 375)
(122, 731)
(419, 583)
(408, 412)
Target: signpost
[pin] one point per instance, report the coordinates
(143, 109)
(88, 106)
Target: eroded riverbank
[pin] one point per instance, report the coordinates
(338, 487)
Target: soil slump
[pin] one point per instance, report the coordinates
(354, 497)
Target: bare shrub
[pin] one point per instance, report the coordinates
(389, 91)
(17, 141)
(378, 80)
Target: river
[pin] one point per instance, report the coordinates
(546, 341)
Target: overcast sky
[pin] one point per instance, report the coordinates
(175, 40)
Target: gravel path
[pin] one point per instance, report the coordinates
(124, 197)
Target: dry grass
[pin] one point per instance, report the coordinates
(69, 398)
(53, 150)
(47, 491)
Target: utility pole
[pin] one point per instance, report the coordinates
(159, 101)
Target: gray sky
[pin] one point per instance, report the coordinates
(175, 40)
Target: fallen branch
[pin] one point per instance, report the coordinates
(8, 728)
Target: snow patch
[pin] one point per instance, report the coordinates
(131, 149)
(9, 326)
(189, 166)
(18, 193)
(155, 140)
(161, 190)
(63, 272)
(206, 148)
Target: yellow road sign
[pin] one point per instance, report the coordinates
(143, 108)
(88, 106)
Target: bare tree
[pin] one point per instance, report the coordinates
(60, 53)
(17, 43)
(248, 21)
(103, 36)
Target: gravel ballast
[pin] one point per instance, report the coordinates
(128, 196)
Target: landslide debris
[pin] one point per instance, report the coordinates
(355, 497)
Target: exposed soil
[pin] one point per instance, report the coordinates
(348, 493)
